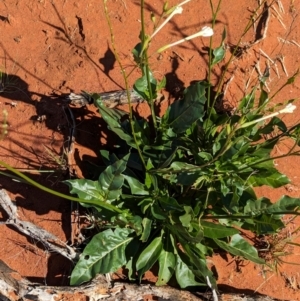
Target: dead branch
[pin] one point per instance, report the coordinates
(14, 287)
(50, 241)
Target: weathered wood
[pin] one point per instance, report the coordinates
(14, 287)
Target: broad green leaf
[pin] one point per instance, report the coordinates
(111, 180)
(169, 203)
(212, 230)
(193, 234)
(113, 120)
(158, 212)
(238, 246)
(141, 86)
(269, 128)
(184, 271)
(256, 206)
(166, 260)
(284, 205)
(142, 131)
(218, 54)
(136, 187)
(105, 253)
(105, 156)
(183, 113)
(90, 193)
(132, 249)
(147, 227)
(186, 218)
(266, 223)
(149, 256)
(87, 189)
(145, 204)
(199, 262)
(270, 177)
(183, 166)
(136, 51)
(135, 222)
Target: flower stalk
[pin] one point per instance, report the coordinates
(288, 109)
(206, 31)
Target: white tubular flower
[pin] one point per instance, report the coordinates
(204, 32)
(288, 109)
(177, 10)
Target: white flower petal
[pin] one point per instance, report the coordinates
(206, 31)
(290, 108)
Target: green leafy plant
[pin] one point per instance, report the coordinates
(183, 184)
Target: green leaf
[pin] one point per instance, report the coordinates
(111, 180)
(184, 272)
(218, 54)
(105, 253)
(136, 187)
(284, 205)
(270, 177)
(183, 113)
(248, 101)
(198, 260)
(86, 189)
(136, 53)
(169, 203)
(142, 131)
(212, 230)
(113, 117)
(90, 193)
(269, 128)
(147, 227)
(149, 256)
(266, 223)
(132, 249)
(105, 156)
(186, 218)
(162, 84)
(238, 246)
(166, 260)
(158, 212)
(141, 86)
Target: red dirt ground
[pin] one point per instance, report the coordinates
(51, 48)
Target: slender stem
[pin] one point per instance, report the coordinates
(248, 26)
(284, 85)
(214, 17)
(248, 216)
(126, 82)
(145, 63)
(58, 194)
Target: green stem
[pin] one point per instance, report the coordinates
(284, 85)
(214, 18)
(248, 26)
(145, 63)
(126, 83)
(58, 194)
(248, 216)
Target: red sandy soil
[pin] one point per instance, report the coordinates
(51, 48)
